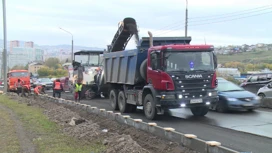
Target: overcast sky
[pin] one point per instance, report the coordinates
(94, 22)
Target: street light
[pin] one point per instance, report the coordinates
(72, 44)
(5, 46)
(186, 18)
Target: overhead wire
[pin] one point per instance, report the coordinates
(177, 24)
(220, 21)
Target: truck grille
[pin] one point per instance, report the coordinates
(195, 87)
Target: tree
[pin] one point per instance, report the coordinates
(52, 62)
(18, 67)
(44, 71)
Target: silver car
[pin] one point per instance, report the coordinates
(265, 91)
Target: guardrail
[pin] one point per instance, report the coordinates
(189, 140)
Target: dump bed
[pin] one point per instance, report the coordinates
(123, 67)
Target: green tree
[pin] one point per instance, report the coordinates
(52, 62)
(44, 71)
(18, 67)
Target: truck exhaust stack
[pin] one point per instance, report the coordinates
(150, 39)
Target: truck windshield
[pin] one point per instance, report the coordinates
(188, 61)
(88, 60)
(19, 74)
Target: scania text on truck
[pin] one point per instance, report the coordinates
(171, 74)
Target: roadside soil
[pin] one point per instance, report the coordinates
(18, 132)
(89, 128)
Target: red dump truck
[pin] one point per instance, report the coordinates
(161, 74)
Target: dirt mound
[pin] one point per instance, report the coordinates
(123, 143)
(116, 137)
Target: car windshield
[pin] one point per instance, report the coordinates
(225, 86)
(19, 74)
(88, 60)
(45, 80)
(188, 61)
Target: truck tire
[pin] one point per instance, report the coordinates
(143, 69)
(122, 103)
(200, 111)
(113, 99)
(150, 107)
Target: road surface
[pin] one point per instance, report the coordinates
(225, 128)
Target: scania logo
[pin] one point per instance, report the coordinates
(192, 76)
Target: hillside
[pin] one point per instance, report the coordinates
(247, 57)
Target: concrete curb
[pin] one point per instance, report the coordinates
(189, 140)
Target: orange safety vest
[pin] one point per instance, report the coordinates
(37, 89)
(57, 86)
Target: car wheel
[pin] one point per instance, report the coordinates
(220, 107)
(261, 95)
(251, 110)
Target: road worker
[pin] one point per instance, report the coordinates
(19, 87)
(39, 90)
(57, 88)
(78, 87)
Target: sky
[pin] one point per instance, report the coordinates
(93, 23)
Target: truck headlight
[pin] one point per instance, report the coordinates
(213, 93)
(180, 96)
(168, 97)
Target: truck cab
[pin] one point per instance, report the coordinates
(182, 76)
(14, 75)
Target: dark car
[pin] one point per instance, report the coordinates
(233, 97)
(44, 81)
(256, 81)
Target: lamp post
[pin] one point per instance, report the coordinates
(5, 46)
(186, 18)
(72, 44)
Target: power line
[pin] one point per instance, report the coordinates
(233, 19)
(228, 16)
(233, 12)
(217, 22)
(215, 16)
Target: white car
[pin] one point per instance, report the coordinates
(265, 91)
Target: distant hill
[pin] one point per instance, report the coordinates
(247, 57)
(53, 48)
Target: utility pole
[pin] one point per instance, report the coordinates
(5, 46)
(72, 54)
(186, 18)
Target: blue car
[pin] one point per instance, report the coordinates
(233, 97)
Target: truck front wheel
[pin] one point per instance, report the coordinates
(113, 99)
(150, 107)
(199, 111)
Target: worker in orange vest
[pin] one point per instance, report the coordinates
(38, 90)
(57, 88)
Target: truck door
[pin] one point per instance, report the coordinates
(154, 70)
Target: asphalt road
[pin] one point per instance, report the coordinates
(225, 128)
